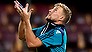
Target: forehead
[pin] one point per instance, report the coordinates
(58, 7)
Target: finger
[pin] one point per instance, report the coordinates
(19, 12)
(18, 9)
(16, 3)
(30, 11)
(19, 4)
(26, 7)
(16, 6)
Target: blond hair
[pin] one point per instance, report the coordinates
(67, 11)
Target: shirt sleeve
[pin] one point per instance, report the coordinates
(37, 30)
(34, 29)
(52, 39)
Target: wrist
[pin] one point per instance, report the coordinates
(27, 21)
(25, 18)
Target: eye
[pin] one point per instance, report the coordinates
(55, 10)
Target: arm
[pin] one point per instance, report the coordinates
(31, 39)
(21, 27)
(21, 33)
(21, 30)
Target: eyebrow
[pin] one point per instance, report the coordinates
(55, 8)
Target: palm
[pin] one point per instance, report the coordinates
(25, 13)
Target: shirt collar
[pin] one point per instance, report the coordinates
(53, 24)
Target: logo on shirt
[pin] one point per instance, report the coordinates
(58, 32)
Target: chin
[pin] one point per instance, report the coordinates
(49, 20)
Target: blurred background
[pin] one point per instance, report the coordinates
(79, 29)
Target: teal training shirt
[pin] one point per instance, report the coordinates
(53, 37)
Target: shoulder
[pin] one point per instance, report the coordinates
(59, 30)
(38, 28)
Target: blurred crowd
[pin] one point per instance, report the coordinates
(79, 29)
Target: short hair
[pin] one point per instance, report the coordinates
(67, 11)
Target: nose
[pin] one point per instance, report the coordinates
(50, 10)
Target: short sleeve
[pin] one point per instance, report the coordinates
(34, 29)
(37, 30)
(52, 38)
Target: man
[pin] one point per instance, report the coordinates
(51, 36)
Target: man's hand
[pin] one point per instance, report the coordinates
(24, 12)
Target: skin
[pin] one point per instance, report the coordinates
(56, 15)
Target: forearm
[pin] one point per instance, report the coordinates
(31, 39)
(21, 30)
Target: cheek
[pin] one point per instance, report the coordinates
(54, 16)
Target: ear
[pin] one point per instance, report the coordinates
(61, 18)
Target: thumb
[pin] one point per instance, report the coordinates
(30, 11)
(26, 7)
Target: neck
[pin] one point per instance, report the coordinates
(55, 22)
(59, 23)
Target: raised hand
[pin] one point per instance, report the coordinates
(24, 12)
